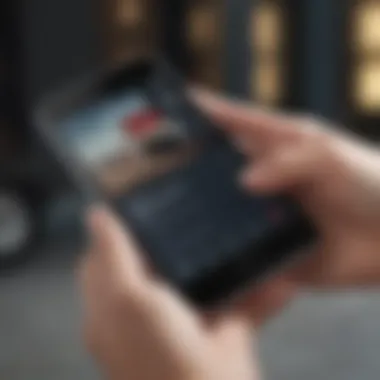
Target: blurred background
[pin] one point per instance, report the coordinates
(314, 56)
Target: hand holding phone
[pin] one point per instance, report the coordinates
(131, 138)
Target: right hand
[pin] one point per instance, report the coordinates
(335, 177)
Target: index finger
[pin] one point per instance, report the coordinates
(237, 117)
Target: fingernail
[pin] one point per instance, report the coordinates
(251, 178)
(203, 97)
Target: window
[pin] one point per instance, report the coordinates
(267, 36)
(367, 87)
(128, 28)
(129, 13)
(202, 28)
(204, 34)
(267, 82)
(366, 57)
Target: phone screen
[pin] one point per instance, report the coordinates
(184, 198)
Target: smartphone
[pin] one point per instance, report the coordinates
(130, 137)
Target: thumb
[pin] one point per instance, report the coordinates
(115, 249)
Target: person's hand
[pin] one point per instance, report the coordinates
(335, 176)
(137, 327)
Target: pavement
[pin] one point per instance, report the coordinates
(333, 337)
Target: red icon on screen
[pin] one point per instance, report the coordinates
(143, 124)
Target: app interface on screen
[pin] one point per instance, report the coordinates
(186, 201)
(111, 137)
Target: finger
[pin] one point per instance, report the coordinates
(322, 269)
(237, 117)
(89, 286)
(267, 300)
(284, 171)
(248, 146)
(85, 267)
(115, 249)
(258, 306)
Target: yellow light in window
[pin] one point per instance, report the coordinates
(266, 26)
(367, 28)
(267, 82)
(202, 27)
(367, 87)
(129, 13)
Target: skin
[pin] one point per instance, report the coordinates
(333, 175)
(137, 327)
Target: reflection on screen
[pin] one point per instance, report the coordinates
(95, 134)
(112, 138)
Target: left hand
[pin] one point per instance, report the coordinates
(138, 327)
